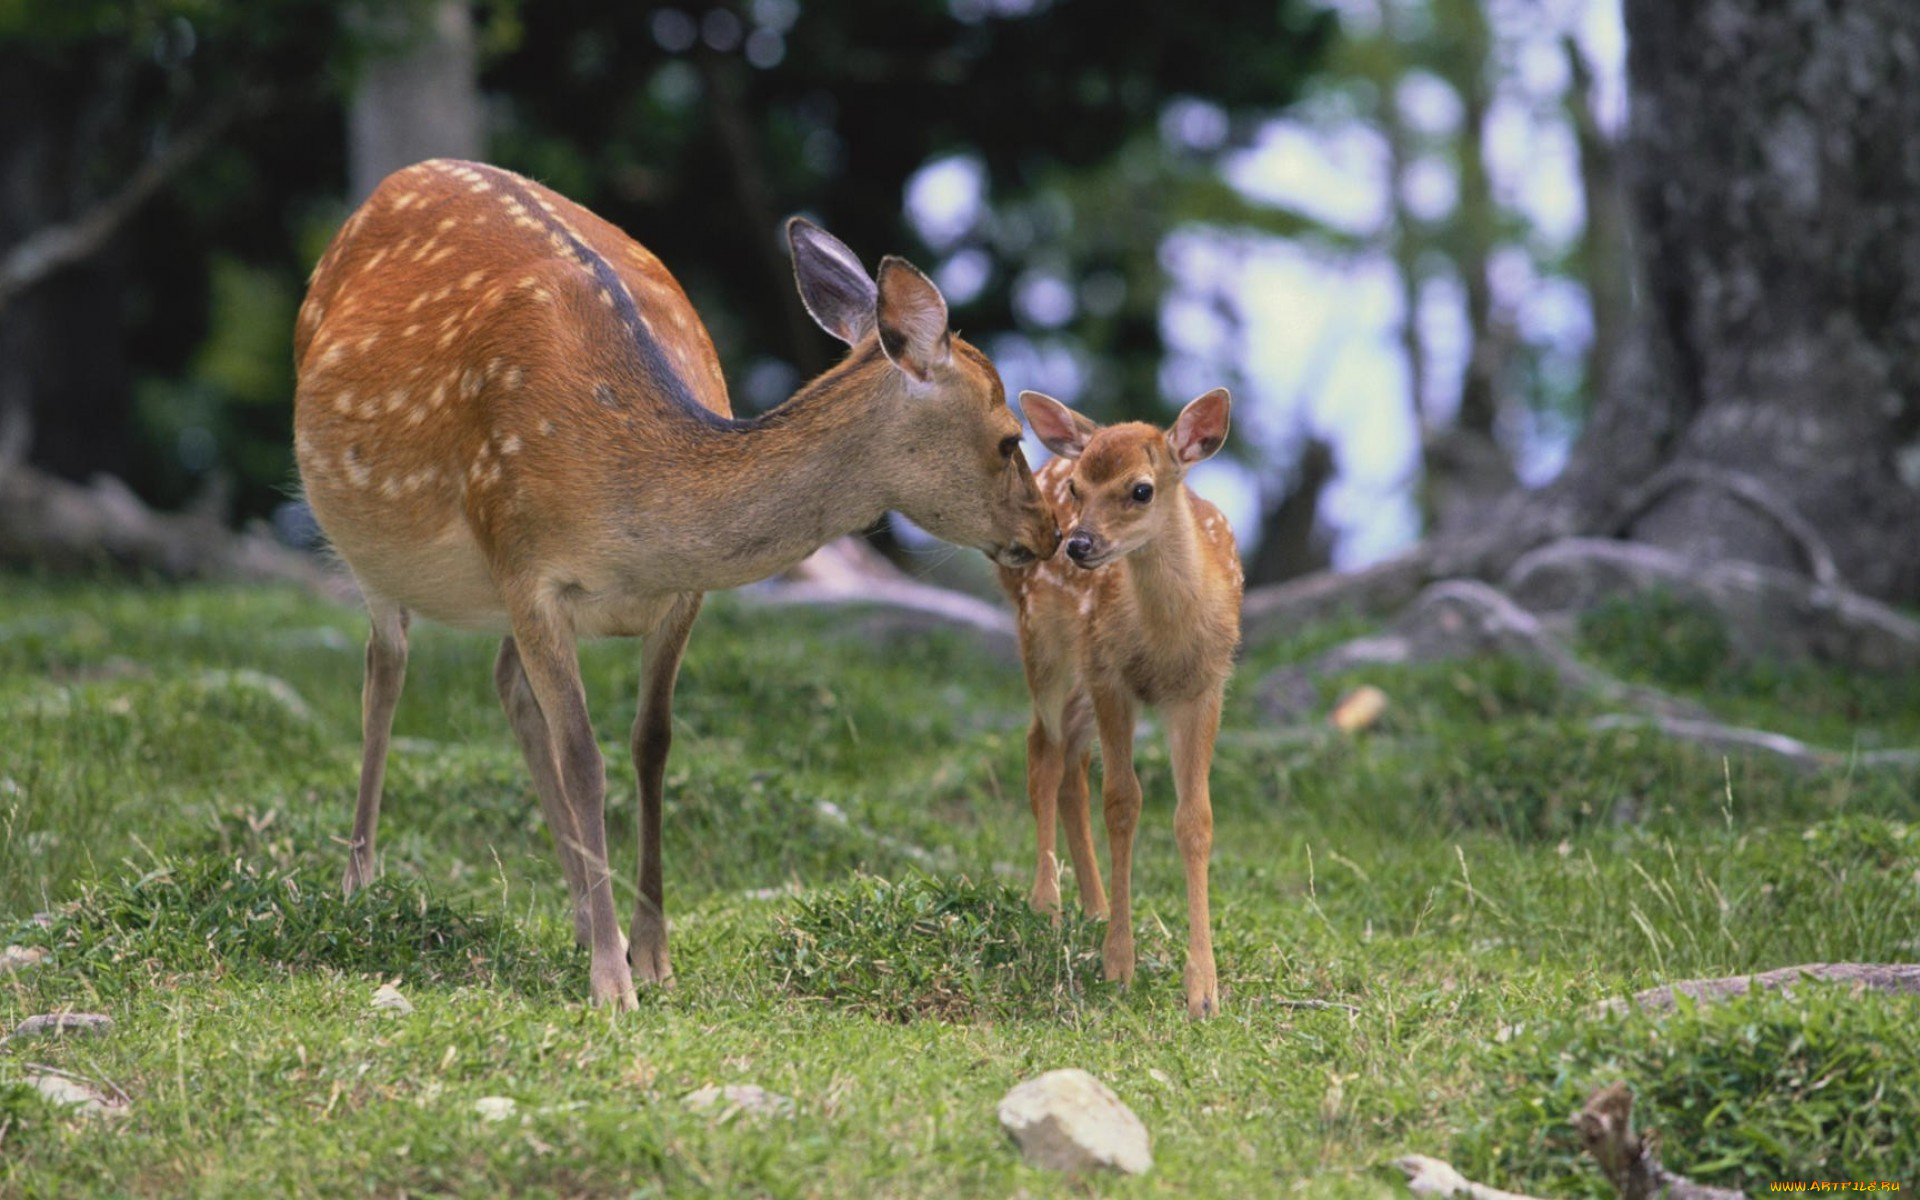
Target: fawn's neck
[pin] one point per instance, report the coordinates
(1165, 574)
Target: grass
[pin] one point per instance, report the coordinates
(848, 849)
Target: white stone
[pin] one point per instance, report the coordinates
(748, 1098)
(71, 1093)
(387, 998)
(1069, 1121)
(494, 1108)
(21, 958)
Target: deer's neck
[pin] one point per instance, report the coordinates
(748, 499)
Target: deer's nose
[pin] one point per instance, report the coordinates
(1080, 547)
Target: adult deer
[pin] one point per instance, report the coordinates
(1148, 611)
(509, 418)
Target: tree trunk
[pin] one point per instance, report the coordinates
(422, 103)
(1765, 403)
(1774, 164)
(64, 387)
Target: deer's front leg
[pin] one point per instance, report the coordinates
(1191, 730)
(652, 739)
(379, 696)
(548, 656)
(1120, 791)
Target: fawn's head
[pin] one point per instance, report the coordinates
(1126, 478)
(951, 444)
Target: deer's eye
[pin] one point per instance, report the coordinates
(1142, 492)
(1009, 445)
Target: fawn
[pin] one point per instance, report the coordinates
(509, 418)
(1148, 612)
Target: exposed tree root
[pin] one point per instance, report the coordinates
(1457, 619)
(1899, 978)
(1763, 610)
(1744, 488)
(1760, 607)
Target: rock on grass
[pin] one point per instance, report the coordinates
(1070, 1121)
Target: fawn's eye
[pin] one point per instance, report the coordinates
(1142, 492)
(1009, 445)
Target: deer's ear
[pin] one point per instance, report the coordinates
(912, 317)
(1059, 428)
(832, 280)
(1201, 429)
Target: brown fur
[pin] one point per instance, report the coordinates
(1155, 621)
(509, 417)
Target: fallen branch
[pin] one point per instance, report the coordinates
(1714, 735)
(848, 572)
(1431, 1177)
(1630, 1160)
(47, 250)
(1897, 978)
(50, 522)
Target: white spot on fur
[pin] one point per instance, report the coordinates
(510, 444)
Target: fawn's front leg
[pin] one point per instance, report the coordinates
(1045, 764)
(1120, 790)
(1191, 729)
(1075, 807)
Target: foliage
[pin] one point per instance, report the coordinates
(1744, 1093)
(928, 947)
(227, 915)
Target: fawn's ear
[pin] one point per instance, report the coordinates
(912, 315)
(832, 280)
(1059, 428)
(1201, 429)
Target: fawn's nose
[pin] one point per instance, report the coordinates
(1080, 547)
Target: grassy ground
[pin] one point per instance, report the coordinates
(848, 845)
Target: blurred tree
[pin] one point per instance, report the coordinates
(150, 149)
(699, 126)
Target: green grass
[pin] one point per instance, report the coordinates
(848, 849)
